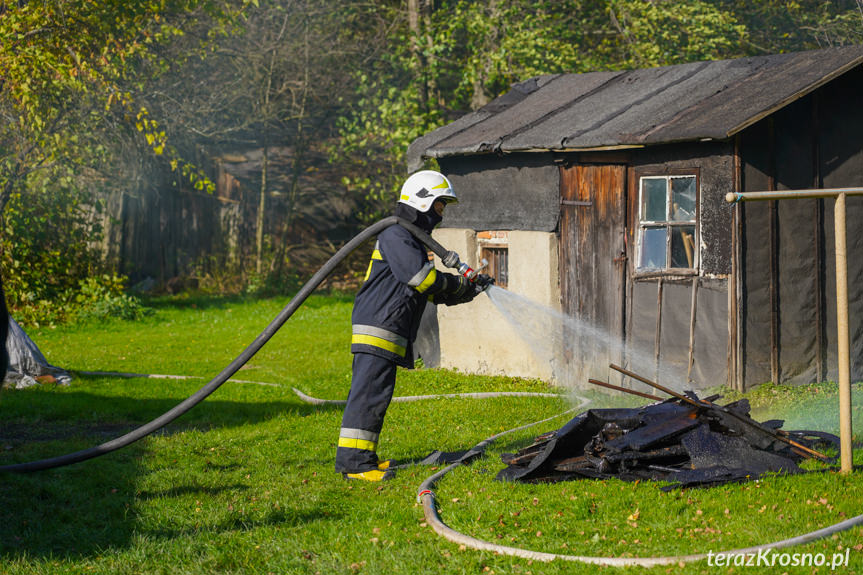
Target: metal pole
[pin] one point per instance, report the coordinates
(843, 337)
(733, 197)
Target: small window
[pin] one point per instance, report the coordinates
(498, 264)
(494, 249)
(667, 222)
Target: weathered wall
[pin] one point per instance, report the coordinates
(788, 261)
(666, 314)
(475, 337)
(519, 192)
(488, 181)
(156, 229)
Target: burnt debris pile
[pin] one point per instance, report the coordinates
(684, 440)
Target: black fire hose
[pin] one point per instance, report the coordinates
(449, 258)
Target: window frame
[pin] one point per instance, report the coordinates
(493, 240)
(667, 224)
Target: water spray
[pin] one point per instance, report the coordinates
(561, 341)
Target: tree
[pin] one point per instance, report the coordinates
(445, 58)
(66, 63)
(274, 89)
(70, 70)
(449, 57)
(89, 88)
(776, 26)
(663, 33)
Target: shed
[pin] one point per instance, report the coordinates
(602, 195)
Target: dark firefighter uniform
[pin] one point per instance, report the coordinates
(400, 280)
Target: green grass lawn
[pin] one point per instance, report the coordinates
(244, 483)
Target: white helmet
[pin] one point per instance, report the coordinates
(423, 188)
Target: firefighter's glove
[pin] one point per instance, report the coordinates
(458, 290)
(482, 283)
(465, 291)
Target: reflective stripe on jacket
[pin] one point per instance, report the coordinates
(388, 308)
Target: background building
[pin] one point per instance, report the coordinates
(602, 194)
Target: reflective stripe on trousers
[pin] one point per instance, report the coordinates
(358, 439)
(372, 385)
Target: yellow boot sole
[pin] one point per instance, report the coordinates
(372, 475)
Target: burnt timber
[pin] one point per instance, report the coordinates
(686, 441)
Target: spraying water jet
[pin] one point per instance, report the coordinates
(565, 342)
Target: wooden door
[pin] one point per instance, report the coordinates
(593, 267)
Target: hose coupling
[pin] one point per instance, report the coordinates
(451, 260)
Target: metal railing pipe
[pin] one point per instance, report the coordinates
(734, 197)
(843, 339)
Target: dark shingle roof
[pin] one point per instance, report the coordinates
(606, 110)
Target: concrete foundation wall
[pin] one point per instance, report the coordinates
(475, 337)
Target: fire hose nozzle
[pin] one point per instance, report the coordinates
(451, 260)
(469, 272)
(466, 271)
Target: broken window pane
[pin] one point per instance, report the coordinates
(668, 209)
(653, 198)
(683, 247)
(683, 199)
(652, 248)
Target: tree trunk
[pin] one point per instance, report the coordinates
(419, 15)
(299, 152)
(480, 96)
(262, 204)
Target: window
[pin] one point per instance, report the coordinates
(498, 265)
(494, 249)
(667, 222)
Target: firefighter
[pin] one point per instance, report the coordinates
(399, 281)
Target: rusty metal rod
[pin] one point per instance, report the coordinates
(655, 385)
(624, 390)
(732, 413)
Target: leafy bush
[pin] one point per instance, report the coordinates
(49, 242)
(272, 283)
(102, 297)
(53, 266)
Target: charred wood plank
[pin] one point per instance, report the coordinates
(573, 464)
(721, 411)
(655, 434)
(662, 454)
(524, 456)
